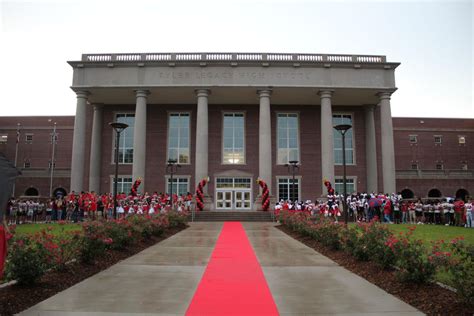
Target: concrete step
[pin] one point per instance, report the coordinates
(240, 216)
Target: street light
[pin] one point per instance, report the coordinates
(343, 128)
(292, 168)
(119, 128)
(172, 168)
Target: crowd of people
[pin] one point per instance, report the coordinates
(362, 207)
(389, 208)
(77, 207)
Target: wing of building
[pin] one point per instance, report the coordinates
(237, 117)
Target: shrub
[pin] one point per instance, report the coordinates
(459, 263)
(330, 233)
(410, 256)
(26, 260)
(92, 242)
(177, 219)
(120, 231)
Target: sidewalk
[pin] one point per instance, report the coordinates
(162, 279)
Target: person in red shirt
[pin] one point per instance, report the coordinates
(458, 212)
(404, 209)
(387, 210)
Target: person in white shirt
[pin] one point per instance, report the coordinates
(469, 214)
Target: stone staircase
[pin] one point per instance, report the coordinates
(232, 216)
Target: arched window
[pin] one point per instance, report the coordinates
(407, 194)
(31, 191)
(59, 191)
(462, 194)
(435, 193)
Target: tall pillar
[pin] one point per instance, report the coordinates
(265, 139)
(388, 152)
(139, 137)
(96, 145)
(370, 149)
(327, 141)
(79, 143)
(202, 136)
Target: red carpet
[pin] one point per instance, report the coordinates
(233, 283)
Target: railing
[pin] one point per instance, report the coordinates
(236, 57)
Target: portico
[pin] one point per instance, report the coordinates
(264, 91)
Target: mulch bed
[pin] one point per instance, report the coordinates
(429, 298)
(16, 298)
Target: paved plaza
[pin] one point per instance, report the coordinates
(163, 279)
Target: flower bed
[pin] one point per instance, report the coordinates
(44, 264)
(409, 261)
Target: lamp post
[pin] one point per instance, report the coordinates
(53, 162)
(292, 168)
(343, 128)
(119, 128)
(172, 168)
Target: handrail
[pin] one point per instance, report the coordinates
(236, 57)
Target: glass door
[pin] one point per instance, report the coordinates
(242, 200)
(224, 200)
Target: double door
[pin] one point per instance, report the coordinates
(233, 200)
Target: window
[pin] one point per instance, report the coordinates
(178, 137)
(233, 138)
(286, 190)
(437, 139)
(231, 183)
(29, 138)
(414, 166)
(339, 186)
(413, 139)
(288, 147)
(180, 186)
(439, 166)
(343, 119)
(26, 164)
(462, 140)
(124, 184)
(3, 139)
(126, 138)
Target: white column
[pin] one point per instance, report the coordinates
(327, 141)
(202, 136)
(388, 152)
(96, 145)
(79, 143)
(370, 149)
(139, 137)
(265, 139)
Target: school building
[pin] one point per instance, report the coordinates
(236, 117)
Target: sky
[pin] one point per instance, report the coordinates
(433, 41)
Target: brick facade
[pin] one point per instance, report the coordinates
(450, 153)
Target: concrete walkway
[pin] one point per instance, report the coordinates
(162, 279)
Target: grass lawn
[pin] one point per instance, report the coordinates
(437, 232)
(57, 229)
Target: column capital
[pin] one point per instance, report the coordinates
(384, 95)
(98, 106)
(370, 107)
(82, 94)
(202, 92)
(262, 93)
(326, 93)
(142, 93)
